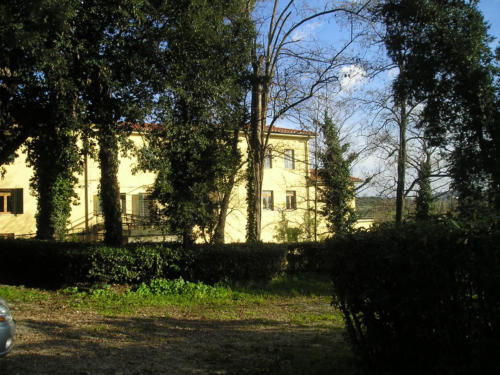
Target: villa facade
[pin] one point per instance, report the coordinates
(289, 197)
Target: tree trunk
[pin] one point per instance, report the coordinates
(110, 189)
(400, 193)
(220, 228)
(257, 148)
(44, 225)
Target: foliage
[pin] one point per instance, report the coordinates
(421, 298)
(448, 66)
(179, 287)
(55, 160)
(48, 263)
(424, 199)
(337, 189)
(129, 265)
(114, 42)
(285, 232)
(237, 262)
(42, 263)
(32, 49)
(37, 82)
(192, 152)
(309, 257)
(67, 65)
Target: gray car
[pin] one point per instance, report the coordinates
(7, 328)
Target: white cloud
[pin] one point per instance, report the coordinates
(306, 31)
(352, 77)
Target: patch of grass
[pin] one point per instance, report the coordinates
(292, 286)
(21, 294)
(284, 327)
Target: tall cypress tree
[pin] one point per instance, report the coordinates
(337, 189)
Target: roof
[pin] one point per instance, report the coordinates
(291, 131)
(354, 180)
(275, 130)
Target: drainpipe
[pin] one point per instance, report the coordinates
(86, 190)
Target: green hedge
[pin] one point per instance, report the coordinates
(42, 263)
(54, 264)
(421, 299)
(309, 257)
(237, 262)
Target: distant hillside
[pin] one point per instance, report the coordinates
(382, 209)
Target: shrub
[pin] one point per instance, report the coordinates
(180, 287)
(237, 262)
(55, 264)
(112, 265)
(135, 264)
(309, 257)
(42, 263)
(420, 299)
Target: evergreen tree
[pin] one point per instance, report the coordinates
(423, 201)
(115, 42)
(448, 66)
(337, 190)
(39, 99)
(30, 42)
(194, 151)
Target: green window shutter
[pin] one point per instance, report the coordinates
(17, 201)
(141, 204)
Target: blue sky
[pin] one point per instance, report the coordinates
(491, 12)
(325, 31)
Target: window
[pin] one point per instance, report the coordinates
(268, 159)
(141, 204)
(289, 159)
(98, 204)
(11, 201)
(291, 200)
(123, 203)
(5, 202)
(267, 200)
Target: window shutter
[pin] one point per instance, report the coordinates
(141, 204)
(135, 205)
(97, 205)
(17, 201)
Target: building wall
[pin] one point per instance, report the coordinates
(277, 179)
(17, 177)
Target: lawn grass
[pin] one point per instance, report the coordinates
(305, 331)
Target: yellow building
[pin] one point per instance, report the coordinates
(288, 196)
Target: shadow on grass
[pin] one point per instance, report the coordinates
(177, 346)
(291, 286)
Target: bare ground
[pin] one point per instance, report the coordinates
(54, 339)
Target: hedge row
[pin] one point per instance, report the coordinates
(421, 299)
(53, 264)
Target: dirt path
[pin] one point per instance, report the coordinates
(59, 340)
